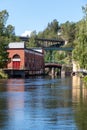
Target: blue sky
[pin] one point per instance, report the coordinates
(30, 15)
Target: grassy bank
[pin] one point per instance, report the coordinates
(3, 75)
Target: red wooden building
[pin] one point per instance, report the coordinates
(31, 61)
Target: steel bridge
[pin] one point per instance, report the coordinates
(49, 44)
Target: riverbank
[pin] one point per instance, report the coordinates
(3, 75)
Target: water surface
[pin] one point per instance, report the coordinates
(43, 103)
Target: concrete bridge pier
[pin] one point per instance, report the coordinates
(54, 71)
(62, 73)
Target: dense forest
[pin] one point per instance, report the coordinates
(73, 33)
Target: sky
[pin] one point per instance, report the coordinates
(34, 15)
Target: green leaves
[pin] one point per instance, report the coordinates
(3, 53)
(80, 51)
(7, 34)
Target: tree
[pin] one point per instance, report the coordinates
(84, 9)
(3, 18)
(80, 51)
(3, 53)
(32, 41)
(51, 31)
(7, 34)
(10, 31)
(68, 31)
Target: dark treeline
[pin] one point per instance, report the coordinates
(74, 33)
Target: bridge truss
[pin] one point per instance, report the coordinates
(50, 45)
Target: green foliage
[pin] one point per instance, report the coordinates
(3, 16)
(3, 75)
(3, 53)
(7, 34)
(68, 31)
(65, 32)
(84, 9)
(74, 33)
(85, 79)
(80, 51)
(10, 31)
(51, 30)
(32, 40)
(55, 56)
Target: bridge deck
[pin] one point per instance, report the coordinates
(59, 48)
(53, 65)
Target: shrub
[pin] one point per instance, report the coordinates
(85, 79)
(3, 75)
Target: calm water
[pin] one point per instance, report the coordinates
(43, 103)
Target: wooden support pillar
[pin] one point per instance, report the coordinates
(53, 71)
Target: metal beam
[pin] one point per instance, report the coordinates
(59, 48)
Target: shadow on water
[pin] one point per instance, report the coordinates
(43, 103)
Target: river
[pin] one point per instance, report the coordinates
(43, 103)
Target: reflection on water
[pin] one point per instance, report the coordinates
(79, 91)
(80, 101)
(16, 93)
(43, 103)
(76, 88)
(15, 100)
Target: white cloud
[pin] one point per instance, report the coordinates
(26, 33)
